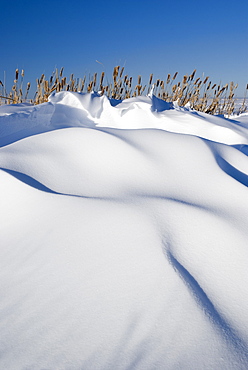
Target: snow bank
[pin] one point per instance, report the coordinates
(123, 236)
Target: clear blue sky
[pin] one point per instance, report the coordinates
(154, 36)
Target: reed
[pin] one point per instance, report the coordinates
(199, 94)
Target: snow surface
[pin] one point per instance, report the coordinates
(123, 236)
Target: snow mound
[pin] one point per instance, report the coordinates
(123, 236)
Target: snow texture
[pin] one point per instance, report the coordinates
(123, 236)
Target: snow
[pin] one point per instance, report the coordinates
(123, 236)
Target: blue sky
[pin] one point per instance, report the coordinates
(157, 37)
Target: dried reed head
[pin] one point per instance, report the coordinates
(150, 80)
(102, 77)
(175, 75)
(185, 78)
(205, 80)
(192, 75)
(121, 72)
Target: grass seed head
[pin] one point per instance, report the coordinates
(150, 80)
(192, 75)
(175, 75)
(121, 72)
(185, 78)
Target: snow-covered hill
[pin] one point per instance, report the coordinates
(123, 236)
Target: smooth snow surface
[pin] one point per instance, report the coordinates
(123, 236)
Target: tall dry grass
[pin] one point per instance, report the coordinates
(200, 94)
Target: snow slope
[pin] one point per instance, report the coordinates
(123, 236)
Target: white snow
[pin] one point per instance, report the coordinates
(123, 236)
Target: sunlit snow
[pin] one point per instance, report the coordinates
(123, 236)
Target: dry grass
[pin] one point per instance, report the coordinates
(200, 94)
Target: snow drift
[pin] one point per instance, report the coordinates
(123, 236)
